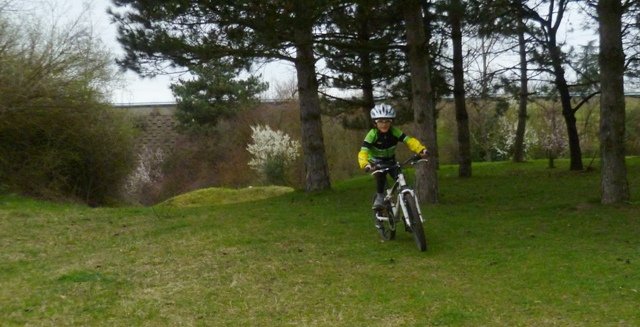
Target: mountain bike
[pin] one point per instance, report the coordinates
(400, 204)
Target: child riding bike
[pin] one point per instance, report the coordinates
(379, 148)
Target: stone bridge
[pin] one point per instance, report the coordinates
(155, 122)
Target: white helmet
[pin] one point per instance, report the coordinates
(382, 110)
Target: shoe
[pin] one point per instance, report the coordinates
(378, 203)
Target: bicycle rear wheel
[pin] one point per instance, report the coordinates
(416, 224)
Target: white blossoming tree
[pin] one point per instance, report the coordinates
(147, 173)
(273, 151)
(504, 143)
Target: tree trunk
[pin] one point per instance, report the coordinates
(518, 147)
(462, 117)
(365, 66)
(550, 30)
(575, 153)
(614, 184)
(367, 85)
(315, 161)
(567, 109)
(423, 110)
(428, 33)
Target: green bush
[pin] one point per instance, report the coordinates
(81, 153)
(274, 170)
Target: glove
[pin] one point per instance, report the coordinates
(424, 154)
(368, 168)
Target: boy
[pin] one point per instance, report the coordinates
(379, 147)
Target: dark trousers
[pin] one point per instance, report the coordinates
(381, 178)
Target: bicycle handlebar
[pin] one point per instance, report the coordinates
(412, 161)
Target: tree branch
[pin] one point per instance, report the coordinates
(585, 100)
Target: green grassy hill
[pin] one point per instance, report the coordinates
(517, 244)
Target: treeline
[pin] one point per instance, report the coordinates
(58, 136)
(409, 53)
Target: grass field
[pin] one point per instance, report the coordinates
(516, 245)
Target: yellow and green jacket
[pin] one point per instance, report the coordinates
(378, 145)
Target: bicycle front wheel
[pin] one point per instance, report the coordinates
(416, 224)
(385, 222)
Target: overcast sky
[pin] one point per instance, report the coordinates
(135, 89)
(139, 90)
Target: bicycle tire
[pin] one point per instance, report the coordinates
(416, 224)
(387, 229)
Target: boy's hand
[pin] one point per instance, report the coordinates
(424, 154)
(368, 168)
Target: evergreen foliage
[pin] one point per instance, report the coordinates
(215, 92)
(364, 48)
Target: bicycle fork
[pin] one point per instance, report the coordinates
(405, 211)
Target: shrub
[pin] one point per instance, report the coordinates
(57, 137)
(84, 153)
(146, 175)
(273, 152)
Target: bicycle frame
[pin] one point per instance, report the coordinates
(399, 204)
(397, 191)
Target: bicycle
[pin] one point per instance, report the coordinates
(400, 203)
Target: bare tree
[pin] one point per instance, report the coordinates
(286, 90)
(52, 62)
(553, 60)
(59, 136)
(504, 20)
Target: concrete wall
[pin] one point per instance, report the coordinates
(156, 123)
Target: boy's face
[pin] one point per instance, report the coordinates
(383, 125)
